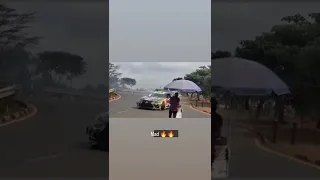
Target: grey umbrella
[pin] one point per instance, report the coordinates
(183, 85)
(245, 77)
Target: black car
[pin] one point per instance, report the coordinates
(98, 132)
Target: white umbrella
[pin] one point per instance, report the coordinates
(183, 85)
(245, 77)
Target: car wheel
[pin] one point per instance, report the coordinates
(163, 106)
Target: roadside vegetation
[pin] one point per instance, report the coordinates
(21, 65)
(292, 51)
(29, 69)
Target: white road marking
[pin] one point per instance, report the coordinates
(122, 111)
(43, 158)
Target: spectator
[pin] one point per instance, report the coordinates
(174, 105)
(216, 125)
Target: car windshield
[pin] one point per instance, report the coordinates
(158, 95)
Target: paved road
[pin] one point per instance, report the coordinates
(250, 161)
(125, 107)
(247, 159)
(53, 142)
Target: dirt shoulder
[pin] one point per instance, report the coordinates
(201, 105)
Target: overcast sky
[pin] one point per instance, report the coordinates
(160, 30)
(157, 74)
(82, 28)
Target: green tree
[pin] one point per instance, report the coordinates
(13, 28)
(201, 77)
(62, 64)
(128, 81)
(291, 50)
(14, 33)
(114, 75)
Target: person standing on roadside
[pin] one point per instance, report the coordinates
(174, 105)
(216, 125)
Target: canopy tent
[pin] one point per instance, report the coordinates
(183, 85)
(245, 77)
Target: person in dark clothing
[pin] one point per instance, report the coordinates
(216, 125)
(174, 105)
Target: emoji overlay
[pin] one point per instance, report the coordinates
(165, 133)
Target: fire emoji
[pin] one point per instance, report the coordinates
(163, 134)
(170, 134)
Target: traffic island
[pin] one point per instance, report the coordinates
(16, 112)
(113, 96)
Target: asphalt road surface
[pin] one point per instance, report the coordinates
(248, 160)
(53, 143)
(126, 107)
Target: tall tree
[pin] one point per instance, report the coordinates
(13, 32)
(62, 64)
(291, 50)
(128, 81)
(201, 77)
(114, 75)
(13, 28)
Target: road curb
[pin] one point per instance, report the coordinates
(261, 141)
(296, 159)
(18, 116)
(114, 99)
(192, 107)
